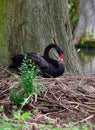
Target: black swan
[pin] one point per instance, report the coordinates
(49, 67)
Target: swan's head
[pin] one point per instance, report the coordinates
(61, 55)
(60, 52)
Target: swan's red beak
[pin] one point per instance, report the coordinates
(61, 56)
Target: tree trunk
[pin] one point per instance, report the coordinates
(36, 23)
(64, 36)
(4, 33)
(86, 23)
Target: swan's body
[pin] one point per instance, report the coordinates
(48, 66)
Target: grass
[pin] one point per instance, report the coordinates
(6, 124)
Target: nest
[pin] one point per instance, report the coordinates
(66, 98)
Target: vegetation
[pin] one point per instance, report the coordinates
(26, 86)
(87, 44)
(73, 11)
(18, 125)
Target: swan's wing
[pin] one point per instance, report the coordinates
(38, 60)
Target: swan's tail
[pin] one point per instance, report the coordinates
(16, 61)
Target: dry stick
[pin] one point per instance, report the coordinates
(59, 101)
(49, 113)
(53, 95)
(8, 71)
(59, 104)
(62, 84)
(56, 79)
(42, 99)
(70, 102)
(79, 104)
(4, 69)
(90, 103)
(89, 96)
(12, 74)
(76, 103)
(82, 110)
(7, 83)
(43, 106)
(84, 120)
(11, 86)
(26, 100)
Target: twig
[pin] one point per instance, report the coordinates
(11, 86)
(84, 120)
(80, 104)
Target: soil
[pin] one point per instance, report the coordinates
(65, 99)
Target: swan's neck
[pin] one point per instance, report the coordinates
(47, 57)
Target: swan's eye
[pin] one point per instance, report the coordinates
(61, 56)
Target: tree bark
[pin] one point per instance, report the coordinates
(86, 23)
(4, 34)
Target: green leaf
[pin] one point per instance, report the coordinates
(25, 115)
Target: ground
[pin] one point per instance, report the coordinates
(66, 99)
